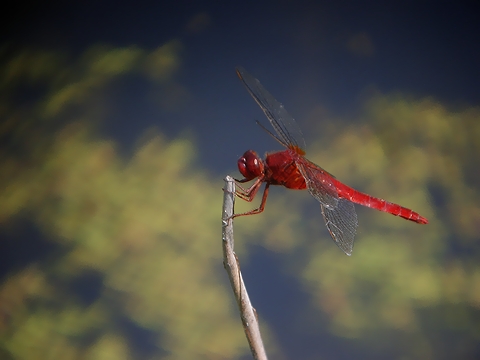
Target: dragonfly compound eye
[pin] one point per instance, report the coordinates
(250, 165)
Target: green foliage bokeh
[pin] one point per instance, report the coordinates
(147, 227)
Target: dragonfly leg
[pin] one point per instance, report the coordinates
(249, 197)
(248, 194)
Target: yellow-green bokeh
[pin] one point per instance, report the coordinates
(148, 225)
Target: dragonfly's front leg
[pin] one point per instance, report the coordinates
(249, 195)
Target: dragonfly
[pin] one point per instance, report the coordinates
(290, 168)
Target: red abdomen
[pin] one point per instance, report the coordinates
(360, 198)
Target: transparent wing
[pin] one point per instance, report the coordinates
(284, 124)
(319, 183)
(342, 224)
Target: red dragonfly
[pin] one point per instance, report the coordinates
(291, 169)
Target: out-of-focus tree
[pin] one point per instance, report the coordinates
(408, 289)
(142, 233)
(133, 266)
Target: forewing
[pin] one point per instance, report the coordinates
(284, 124)
(342, 224)
(319, 183)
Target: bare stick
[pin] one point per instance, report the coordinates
(232, 266)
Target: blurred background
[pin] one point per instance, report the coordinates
(118, 123)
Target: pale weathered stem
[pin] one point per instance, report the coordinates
(232, 266)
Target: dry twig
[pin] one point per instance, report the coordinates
(232, 266)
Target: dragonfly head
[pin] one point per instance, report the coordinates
(250, 165)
